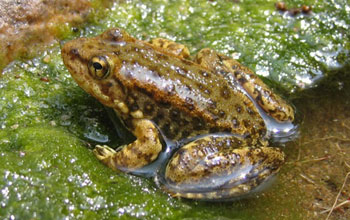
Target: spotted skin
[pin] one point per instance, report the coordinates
(271, 103)
(219, 166)
(164, 97)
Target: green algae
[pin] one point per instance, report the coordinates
(294, 51)
(48, 125)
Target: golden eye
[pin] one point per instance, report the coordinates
(99, 67)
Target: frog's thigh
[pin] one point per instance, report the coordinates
(271, 103)
(177, 49)
(137, 154)
(219, 168)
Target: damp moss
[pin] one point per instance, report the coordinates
(48, 125)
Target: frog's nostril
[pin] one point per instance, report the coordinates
(74, 51)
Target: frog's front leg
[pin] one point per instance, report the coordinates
(219, 168)
(141, 152)
(271, 103)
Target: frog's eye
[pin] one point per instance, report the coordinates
(99, 67)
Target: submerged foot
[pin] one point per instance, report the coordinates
(103, 152)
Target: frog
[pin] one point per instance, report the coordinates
(205, 117)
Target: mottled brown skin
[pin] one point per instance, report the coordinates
(160, 94)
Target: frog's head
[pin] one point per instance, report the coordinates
(92, 62)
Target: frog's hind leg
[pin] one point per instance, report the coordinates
(172, 47)
(219, 168)
(271, 103)
(141, 152)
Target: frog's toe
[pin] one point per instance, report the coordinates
(213, 173)
(103, 152)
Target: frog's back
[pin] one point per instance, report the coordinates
(183, 98)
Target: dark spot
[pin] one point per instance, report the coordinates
(164, 104)
(249, 153)
(74, 52)
(227, 130)
(220, 58)
(223, 72)
(185, 134)
(127, 74)
(189, 103)
(175, 130)
(106, 86)
(174, 114)
(161, 56)
(183, 122)
(170, 89)
(238, 108)
(120, 84)
(225, 92)
(148, 157)
(144, 91)
(242, 80)
(181, 152)
(166, 129)
(234, 67)
(261, 153)
(331, 185)
(187, 88)
(214, 130)
(261, 132)
(199, 60)
(235, 122)
(134, 107)
(160, 42)
(159, 117)
(237, 73)
(246, 123)
(198, 123)
(214, 116)
(250, 111)
(154, 71)
(212, 104)
(258, 98)
(200, 86)
(181, 71)
(222, 113)
(207, 91)
(135, 49)
(204, 73)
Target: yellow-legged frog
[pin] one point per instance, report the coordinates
(209, 115)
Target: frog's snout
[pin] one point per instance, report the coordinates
(69, 52)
